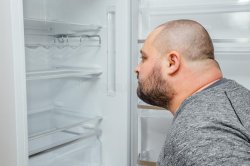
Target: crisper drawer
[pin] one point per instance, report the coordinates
(55, 127)
(83, 152)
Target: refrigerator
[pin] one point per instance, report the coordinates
(66, 77)
(67, 82)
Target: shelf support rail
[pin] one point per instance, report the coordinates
(61, 38)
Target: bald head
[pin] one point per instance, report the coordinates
(185, 36)
(177, 61)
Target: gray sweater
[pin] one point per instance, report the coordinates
(211, 128)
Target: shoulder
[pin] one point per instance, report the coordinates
(206, 126)
(216, 100)
(222, 106)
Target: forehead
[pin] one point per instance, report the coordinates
(149, 42)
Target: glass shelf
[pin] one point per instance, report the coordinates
(56, 126)
(64, 72)
(82, 152)
(58, 28)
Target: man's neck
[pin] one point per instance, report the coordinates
(193, 84)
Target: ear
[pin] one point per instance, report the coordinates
(173, 59)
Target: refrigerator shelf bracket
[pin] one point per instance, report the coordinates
(62, 38)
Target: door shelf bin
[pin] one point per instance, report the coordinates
(85, 152)
(54, 127)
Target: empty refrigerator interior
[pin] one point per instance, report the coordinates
(64, 73)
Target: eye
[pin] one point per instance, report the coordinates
(143, 58)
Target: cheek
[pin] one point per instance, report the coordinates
(163, 72)
(144, 72)
(146, 69)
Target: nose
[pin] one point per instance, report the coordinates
(137, 69)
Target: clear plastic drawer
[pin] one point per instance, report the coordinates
(84, 152)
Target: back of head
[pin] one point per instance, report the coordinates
(188, 37)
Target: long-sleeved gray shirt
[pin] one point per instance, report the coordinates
(211, 128)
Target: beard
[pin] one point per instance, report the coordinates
(154, 90)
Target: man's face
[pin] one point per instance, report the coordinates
(153, 87)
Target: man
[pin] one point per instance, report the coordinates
(211, 124)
